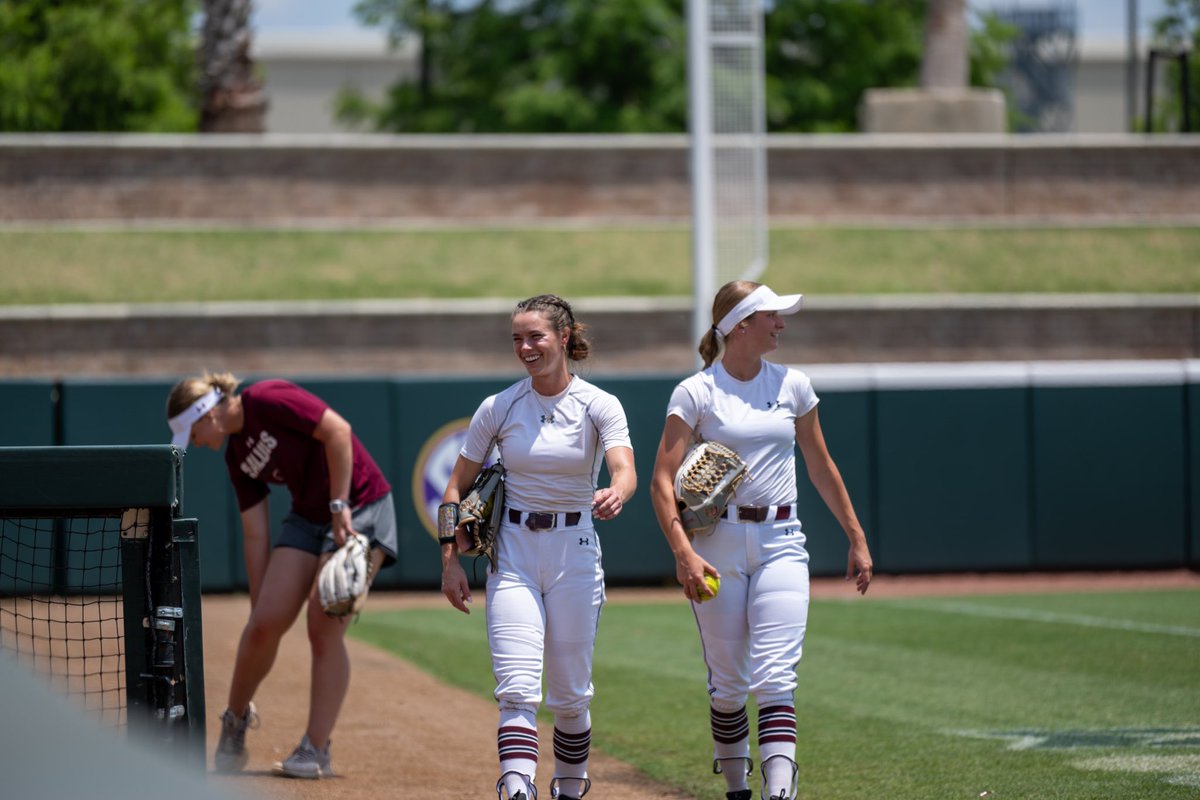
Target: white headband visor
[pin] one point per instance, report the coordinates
(181, 424)
(761, 299)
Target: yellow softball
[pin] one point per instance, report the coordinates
(714, 585)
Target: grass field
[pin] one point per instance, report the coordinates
(1066, 696)
(70, 266)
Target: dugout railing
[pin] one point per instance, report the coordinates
(100, 586)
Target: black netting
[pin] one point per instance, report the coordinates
(61, 611)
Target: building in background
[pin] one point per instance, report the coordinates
(304, 72)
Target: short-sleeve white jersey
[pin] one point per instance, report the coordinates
(551, 446)
(757, 418)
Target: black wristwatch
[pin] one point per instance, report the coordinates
(338, 506)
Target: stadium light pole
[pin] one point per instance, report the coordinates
(700, 127)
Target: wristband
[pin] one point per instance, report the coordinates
(447, 522)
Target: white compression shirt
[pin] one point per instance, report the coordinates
(551, 446)
(757, 418)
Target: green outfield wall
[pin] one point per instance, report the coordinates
(952, 467)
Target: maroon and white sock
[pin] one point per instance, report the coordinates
(572, 746)
(731, 745)
(777, 748)
(517, 743)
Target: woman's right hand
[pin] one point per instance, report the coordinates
(690, 570)
(455, 585)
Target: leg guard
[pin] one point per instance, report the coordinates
(775, 771)
(585, 786)
(509, 780)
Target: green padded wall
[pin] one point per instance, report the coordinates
(1193, 438)
(1109, 487)
(945, 475)
(28, 418)
(429, 417)
(846, 423)
(953, 479)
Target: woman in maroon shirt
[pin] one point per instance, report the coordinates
(274, 432)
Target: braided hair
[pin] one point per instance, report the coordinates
(559, 314)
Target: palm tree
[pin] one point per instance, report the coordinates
(232, 96)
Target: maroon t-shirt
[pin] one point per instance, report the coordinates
(276, 445)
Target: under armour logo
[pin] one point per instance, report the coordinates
(772, 404)
(547, 418)
(583, 540)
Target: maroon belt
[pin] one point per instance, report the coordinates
(543, 520)
(761, 513)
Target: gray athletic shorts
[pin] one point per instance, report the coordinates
(376, 521)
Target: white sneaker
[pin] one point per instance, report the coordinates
(306, 761)
(231, 755)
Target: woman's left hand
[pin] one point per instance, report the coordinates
(607, 503)
(859, 567)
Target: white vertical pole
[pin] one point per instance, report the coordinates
(761, 256)
(1131, 65)
(700, 121)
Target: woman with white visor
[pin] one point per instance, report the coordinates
(753, 628)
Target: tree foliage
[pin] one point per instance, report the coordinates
(821, 55)
(541, 65)
(621, 65)
(97, 65)
(1178, 31)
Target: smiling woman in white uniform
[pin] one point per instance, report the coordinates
(753, 630)
(545, 593)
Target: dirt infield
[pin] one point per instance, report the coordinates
(403, 734)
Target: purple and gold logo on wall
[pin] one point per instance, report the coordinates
(432, 471)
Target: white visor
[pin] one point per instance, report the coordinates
(181, 424)
(761, 299)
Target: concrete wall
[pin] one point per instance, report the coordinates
(631, 335)
(362, 179)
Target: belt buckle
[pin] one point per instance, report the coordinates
(539, 521)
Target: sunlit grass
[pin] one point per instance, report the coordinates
(70, 266)
(905, 698)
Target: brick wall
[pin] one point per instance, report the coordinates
(355, 179)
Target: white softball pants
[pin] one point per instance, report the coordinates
(752, 632)
(543, 608)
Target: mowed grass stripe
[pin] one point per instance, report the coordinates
(45, 266)
(1052, 617)
(885, 693)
